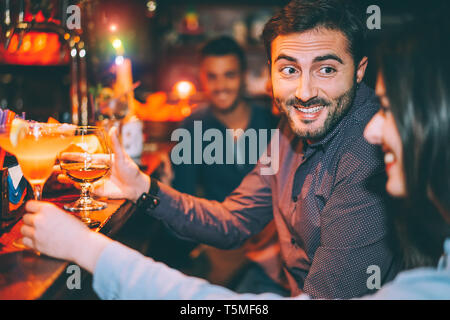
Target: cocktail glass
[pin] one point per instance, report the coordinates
(35, 146)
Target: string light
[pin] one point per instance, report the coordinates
(117, 43)
(151, 6)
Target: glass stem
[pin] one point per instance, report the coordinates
(85, 190)
(37, 190)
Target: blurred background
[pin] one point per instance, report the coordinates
(136, 63)
(159, 38)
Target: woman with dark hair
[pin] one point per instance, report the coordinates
(413, 129)
(414, 90)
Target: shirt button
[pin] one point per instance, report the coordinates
(294, 198)
(292, 240)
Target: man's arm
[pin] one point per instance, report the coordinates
(245, 212)
(224, 225)
(353, 230)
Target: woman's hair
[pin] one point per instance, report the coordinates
(415, 67)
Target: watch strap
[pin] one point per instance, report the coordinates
(150, 199)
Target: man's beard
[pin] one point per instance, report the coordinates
(232, 107)
(228, 110)
(337, 110)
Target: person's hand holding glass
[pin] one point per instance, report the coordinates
(125, 180)
(86, 160)
(35, 145)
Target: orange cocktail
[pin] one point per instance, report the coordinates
(36, 146)
(36, 157)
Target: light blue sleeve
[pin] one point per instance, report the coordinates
(122, 273)
(420, 283)
(417, 284)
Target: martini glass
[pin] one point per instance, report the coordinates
(35, 146)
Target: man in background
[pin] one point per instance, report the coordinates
(222, 74)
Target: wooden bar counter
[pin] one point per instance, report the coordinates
(27, 275)
(24, 275)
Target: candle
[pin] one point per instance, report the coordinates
(124, 82)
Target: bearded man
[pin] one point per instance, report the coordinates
(327, 199)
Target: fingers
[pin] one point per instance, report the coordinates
(62, 178)
(33, 206)
(72, 156)
(28, 219)
(57, 169)
(27, 231)
(98, 189)
(28, 242)
(115, 143)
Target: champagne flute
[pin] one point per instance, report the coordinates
(35, 145)
(86, 160)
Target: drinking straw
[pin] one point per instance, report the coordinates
(8, 118)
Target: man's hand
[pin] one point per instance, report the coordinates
(125, 180)
(50, 230)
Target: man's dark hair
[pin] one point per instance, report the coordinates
(222, 46)
(305, 15)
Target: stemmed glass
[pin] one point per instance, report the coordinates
(35, 146)
(86, 160)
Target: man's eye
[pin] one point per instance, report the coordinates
(288, 71)
(327, 70)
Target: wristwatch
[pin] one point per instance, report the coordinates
(150, 199)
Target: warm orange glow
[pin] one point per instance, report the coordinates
(52, 120)
(37, 48)
(185, 110)
(184, 89)
(156, 108)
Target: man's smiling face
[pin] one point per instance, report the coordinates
(222, 80)
(314, 79)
